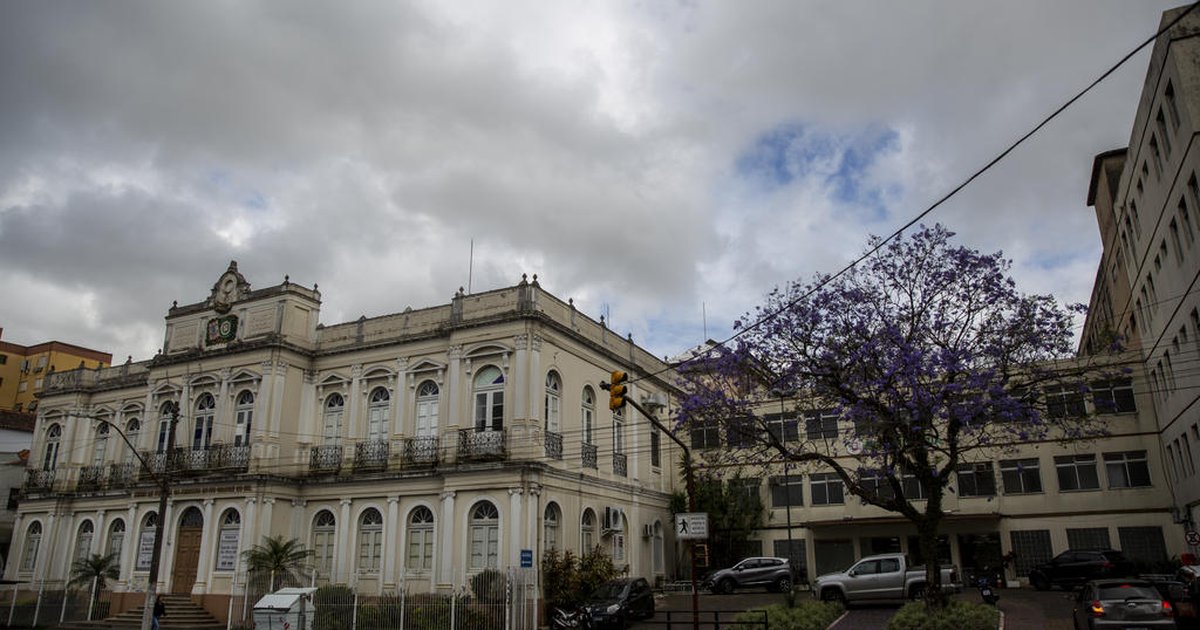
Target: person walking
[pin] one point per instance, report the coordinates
(160, 610)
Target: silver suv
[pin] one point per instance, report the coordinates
(773, 573)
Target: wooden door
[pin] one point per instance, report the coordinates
(187, 556)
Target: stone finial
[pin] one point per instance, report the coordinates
(174, 303)
(602, 320)
(571, 303)
(535, 282)
(524, 280)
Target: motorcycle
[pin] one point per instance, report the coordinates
(986, 591)
(570, 619)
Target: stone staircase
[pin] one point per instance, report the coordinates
(182, 614)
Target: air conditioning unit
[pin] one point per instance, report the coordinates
(614, 519)
(647, 531)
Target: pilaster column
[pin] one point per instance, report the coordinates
(533, 531)
(391, 524)
(166, 561)
(344, 552)
(224, 410)
(514, 534)
(133, 537)
(298, 506)
(62, 543)
(250, 520)
(46, 550)
(446, 530)
(522, 403)
(262, 405)
(204, 564)
(455, 401)
(16, 548)
(399, 387)
(100, 534)
(275, 402)
(354, 405)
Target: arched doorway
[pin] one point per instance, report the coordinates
(187, 551)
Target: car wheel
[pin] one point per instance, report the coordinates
(916, 592)
(833, 595)
(1039, 582)
(783, 584)
(725, 586)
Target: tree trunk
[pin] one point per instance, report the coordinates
(927, 532)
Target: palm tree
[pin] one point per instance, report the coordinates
(94, 572)
(284, 559)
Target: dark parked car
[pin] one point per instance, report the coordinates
(617, 601)
(773, 573)
(1177, 594)
(1076, 566)
(1122, 604)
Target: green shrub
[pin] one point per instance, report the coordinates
(804, 616)
(335, 608)
(489, 586)
(955, 616)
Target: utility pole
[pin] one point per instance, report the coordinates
(164, 492)
(618, 398)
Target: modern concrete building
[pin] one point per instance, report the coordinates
(409, 451)
(1146, 296)
(23, 369)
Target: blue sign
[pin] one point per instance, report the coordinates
(526, 558)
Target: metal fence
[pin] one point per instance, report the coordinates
(48, 604)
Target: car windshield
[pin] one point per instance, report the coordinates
(1128, 591)
(609, 590)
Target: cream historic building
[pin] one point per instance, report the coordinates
(409, 451)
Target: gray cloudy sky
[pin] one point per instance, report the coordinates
(644, 157)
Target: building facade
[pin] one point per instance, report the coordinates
(1146, 297)
(409, 451)
(23, 369)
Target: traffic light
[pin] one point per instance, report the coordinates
(617, 389)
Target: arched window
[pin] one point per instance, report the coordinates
(164, 428)
(618, 427)
(587, 532)
(335, 406)
(370, 540)
(589, 412)
(206, 408)
(550, 524)
(133, 430)
(656, 552)
(100, 444)
(485, 536)
(53, 443)
(323, 542)
(243, 418)
(228, 539)
(489, 399)
(377, 414)
(83, 540)
(146, 541)
(427, 409)
(116, 541)
(420, 540)
(553, 401)
(33, 540)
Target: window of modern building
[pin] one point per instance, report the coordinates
(706, 435)
(1172, 106)
(1031, 548)
(821, 424)
(826, 489)
(33, 541)
(1157, 155)
(243, 418)
(1113, 396)
(228, 540)
(427, 409)
(552, 409)
(976, 480)
(489, 399)
(145, 542)
(53, 443)
(484, 532)
(206, 409)
(787, 490)
(335, 408)
(550, 525)
(324, 541)
(420, 539)
(370, 540)
(1160, 122)
(1021, 476)
(655, 448)
(1143, 544)
(587, 531)
(589, 410)
(377, 414)
(1088, 538)
(878, 485)
(116, 541)
(782, 427)
(1077, 472)
(1064, 401)
(913, 489)
(745, 491)
(1127, 469)
(100, 444)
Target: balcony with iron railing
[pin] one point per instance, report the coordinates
(587, 454)
(422, 451)
(225, 458)
(38, 481)
(554, 444)
(481, 445)
(371, 455)
(91, 478)
(620, 465)
(121, 475)
(325, 459)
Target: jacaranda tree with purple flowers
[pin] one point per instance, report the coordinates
(927, 353)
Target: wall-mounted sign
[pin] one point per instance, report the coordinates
(221, 330)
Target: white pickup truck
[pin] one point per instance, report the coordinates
(886, 576)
